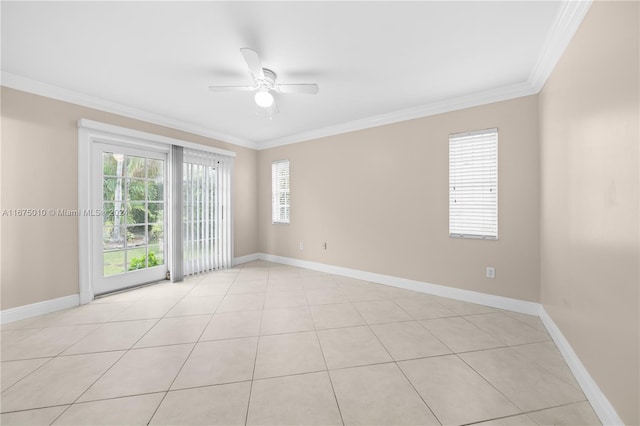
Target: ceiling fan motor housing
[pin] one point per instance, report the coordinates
(269, 79)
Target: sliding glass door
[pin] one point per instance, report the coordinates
(157, 207)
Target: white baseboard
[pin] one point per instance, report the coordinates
(244, 259)
(599, 402)
(39, 308)
(499, 302)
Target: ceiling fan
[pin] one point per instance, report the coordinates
(264, 83)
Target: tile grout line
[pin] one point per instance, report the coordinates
(255, 359)
(190, 352)
(324, 359)
(489, 382)
(393, 360)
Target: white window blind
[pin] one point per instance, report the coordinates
(473, 184)
(280, 194)
(206, 211)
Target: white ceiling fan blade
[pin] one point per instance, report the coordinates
(253, 61)
(231, 88)
(306, 89)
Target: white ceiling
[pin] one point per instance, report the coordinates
(375, 62)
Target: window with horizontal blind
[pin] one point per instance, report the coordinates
(473, 184)
(280, 195)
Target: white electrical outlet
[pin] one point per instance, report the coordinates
(491, 272)
(301, 245)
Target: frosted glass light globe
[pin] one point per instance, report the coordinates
(264, 99)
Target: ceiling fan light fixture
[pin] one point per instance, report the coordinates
(263, 98)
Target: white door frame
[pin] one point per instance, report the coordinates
(89, 138)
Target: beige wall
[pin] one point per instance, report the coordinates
(589, 200)
(379, 198)
(39, 170)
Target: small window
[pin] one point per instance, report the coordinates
(280, 195)
(473, 184)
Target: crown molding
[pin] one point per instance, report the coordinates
(447, 105)
(18, 82)
(564, 27)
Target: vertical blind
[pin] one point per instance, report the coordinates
(280, 193)
(473, 184)
(207, 240)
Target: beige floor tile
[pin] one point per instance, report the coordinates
(379, 395)
(131, 410)
(284, 274)
(38, 417)
(46, 342)
(547, 356)
(286, 320)
(252, 275)
(112, 336)
(220, 361)
(521, 420)
(91, 313)
(212, 405)
(145, 309)
(241, 302)
(11, 337)
(530, 320)
(325, 282)
(348, 281)
(579, 413)
(464, 308)
(140, 371)
(455, 393)
(528, 385)
(460, 335)
(284, 299)
(218, 277)
(308, 273)
(381, 311)
(336, 316)
(363, 292)
(408, 340)
(59, 382)
(166, 290)
(240, 287)
(195, 306)
(507, 329)
(13, 371)
(305, 399)
(284, 284)
(351, 347)
(324, 296)
(284, 354)
(205, 289)
(424, 307)
(40, 321)
(233, 324)
(175, 330)
(391, 292)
